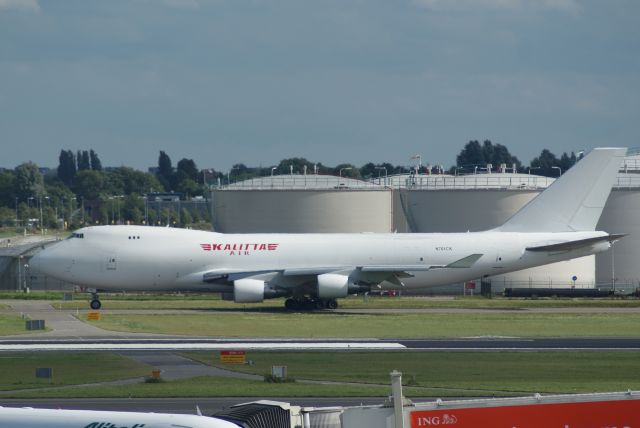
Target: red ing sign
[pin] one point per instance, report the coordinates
(600, 414)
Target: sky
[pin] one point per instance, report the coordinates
(335, 81)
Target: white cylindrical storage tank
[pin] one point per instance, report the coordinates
(302, 204)
(620, 266)
(479, 202)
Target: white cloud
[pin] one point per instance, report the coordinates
(24, 5)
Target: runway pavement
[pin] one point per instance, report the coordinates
(180, 343)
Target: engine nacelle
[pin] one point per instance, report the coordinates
(333, 285)
(248, 290)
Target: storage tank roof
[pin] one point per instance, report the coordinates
(470, 181)
(301, 182)
(629, 174)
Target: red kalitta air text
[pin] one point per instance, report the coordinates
(237, 249)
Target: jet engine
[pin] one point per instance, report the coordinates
(333, 285)
(248, 290)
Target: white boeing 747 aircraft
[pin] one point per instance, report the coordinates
(313, 270)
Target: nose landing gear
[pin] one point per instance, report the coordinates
(95, 301)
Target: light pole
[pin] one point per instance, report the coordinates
(146, 210)
(559, 170)
(385, 174)
(16, 212)
(344, 169)
(40, 203)
(419, 157)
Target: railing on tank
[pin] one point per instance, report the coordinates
(311, 181)
(472, 181)
(627, 181)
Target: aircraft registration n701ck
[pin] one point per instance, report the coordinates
(313, 270)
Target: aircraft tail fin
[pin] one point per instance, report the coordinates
(574, 202)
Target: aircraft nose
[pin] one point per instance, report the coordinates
(43, 261)
(36, 262)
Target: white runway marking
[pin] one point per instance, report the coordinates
(298, 346)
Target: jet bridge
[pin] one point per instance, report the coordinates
(618, 409)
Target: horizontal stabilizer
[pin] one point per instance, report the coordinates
(573, 245)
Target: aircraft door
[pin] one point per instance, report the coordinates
(498, 264)
(112, 262)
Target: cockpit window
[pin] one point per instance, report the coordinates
(77, 235)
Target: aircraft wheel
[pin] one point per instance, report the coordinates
(319, 304)
(332, 304)
(95, 304)
(291, 304)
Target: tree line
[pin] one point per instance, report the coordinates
(81, 191)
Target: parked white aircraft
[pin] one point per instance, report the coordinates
(27, 417)
(315, 269)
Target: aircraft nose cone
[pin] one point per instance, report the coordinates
(36, 262)
(43, 262)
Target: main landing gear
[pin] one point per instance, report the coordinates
(95, 301)
(309, 304)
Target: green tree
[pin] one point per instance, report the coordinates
(165, 171)
(7, 191)
(90, 184)
(187, 168)
(471, 155)
(185, 217)
(67, 167)
(28, 181)
(84, 162)
(96, 165)
(132, 208)
(298, 165)
(348, 170)
(371, 170)
(544, 164)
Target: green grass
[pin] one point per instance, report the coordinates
(18, 369)
(425, 374)
(34, 295)
(213, 301)
(332, 325)
(12, 324)
(214, 387)
(479, 373)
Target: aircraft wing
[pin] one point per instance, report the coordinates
(573, 245)
(372, 274)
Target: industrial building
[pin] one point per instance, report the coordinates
(620, 266)
(476, 202)
(299, 203)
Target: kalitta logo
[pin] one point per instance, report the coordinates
(112, 425)
(242, 249)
